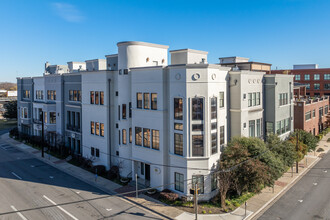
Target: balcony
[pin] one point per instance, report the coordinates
(72, 128)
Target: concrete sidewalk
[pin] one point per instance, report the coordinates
(256, 204)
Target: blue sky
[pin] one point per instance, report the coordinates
(281, 32)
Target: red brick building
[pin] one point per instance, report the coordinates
(317, 81)
(311, 115)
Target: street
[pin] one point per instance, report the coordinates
(28, 183)
(307, 199)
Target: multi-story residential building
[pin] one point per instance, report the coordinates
(317, 80)
(25, 96)
(165, 123)
(278, 100)
(311, 114)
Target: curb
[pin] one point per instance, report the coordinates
(107, 191)
(287, 187)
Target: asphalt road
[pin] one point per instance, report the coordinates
(307, 199)
(28, 183)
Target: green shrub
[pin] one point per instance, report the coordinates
(210, 212)
(328, 140)
(228, 203)
(204, 212)
(320, 149)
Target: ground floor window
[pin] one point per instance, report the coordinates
(199, 180)
(213, 181)
(179, 182)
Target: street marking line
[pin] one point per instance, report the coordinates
(18, 213)
(63, 210)
(300, 200)
(108, 210)
(51, 177)
(314, 184)
(16, 175)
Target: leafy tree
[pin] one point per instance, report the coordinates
(285, 150)
(302, 148)
(257, 149)
(224, 178)
(307, 138)
(10, 110)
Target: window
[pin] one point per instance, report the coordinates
(197, 109)
(138, 100)
(26, 94)
(250, 100)
(297, 77)
(146, 101)
(327, 86)
(52, 117)
(308, 86)
(97, 98)
(214, 143)
(199, 180)
(269, 128)
(178, 144)
(178, 126)
(101, 98)
(130, 110)
(119, 137)
(258, 128)
(71, 95)
(278, 127)
(125, 71)
(313, 113)
(102, 129)
(254, 97)
(213, 125)
(317, 86)
(130, 135)
(307, 115)
(326, 76)
(79, 95)
(51, 95)
(197, 127)
(118, 112)
(73, 118)
(213, 108)
(197, 146)
(92, 151)
(326, 109)
(307, 77)
(155, 139)
(138, 136)
(316, 76)
(252, 128)
(97, 128)
(214, 182)
(178, 109)
(283, 99)
(124, 111)
(287, 124)
(39, 94)
(75, 95)
(221, 99)
(320, 112)
(124, 136)
(92, 97)
(222, 135)
(146, 137)
(154, 101)
(179, 182)
(258, 98)
(92, 127)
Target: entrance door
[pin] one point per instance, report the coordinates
(147, 173)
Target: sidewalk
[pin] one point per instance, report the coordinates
(255, 205)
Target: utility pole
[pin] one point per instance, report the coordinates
(297, 162)
(196, 201)
(42, 133)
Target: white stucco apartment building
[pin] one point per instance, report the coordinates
(166, 122)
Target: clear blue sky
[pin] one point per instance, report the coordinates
(281, 32)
